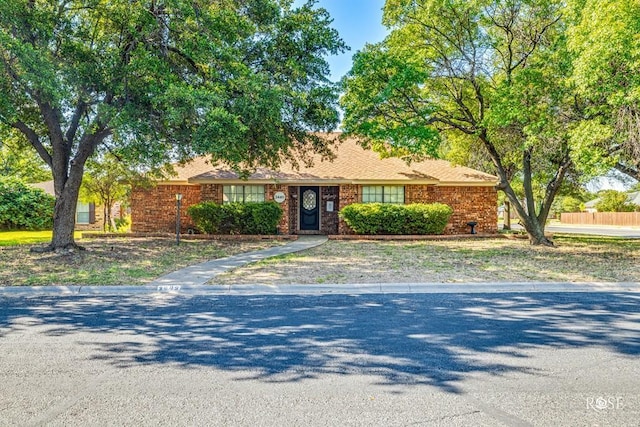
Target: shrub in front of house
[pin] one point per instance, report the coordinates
(236, 218)
(380, 218)
(23, 207)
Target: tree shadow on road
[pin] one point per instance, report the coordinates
(433, 339)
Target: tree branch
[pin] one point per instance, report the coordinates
(631, 171)
(81, 108)
(32, 137)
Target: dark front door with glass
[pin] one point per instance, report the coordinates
(309, 208)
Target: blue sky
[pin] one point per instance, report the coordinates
(358, 22)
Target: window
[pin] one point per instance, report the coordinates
(383, 194)
(85, 213)
(243, 193)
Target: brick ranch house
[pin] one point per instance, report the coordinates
(311, 197)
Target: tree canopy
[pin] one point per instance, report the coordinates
(505, 85)
(604, 41)
(614, 201)
(243, 81)
(17, 160)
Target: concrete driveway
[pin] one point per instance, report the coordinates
(348, 359)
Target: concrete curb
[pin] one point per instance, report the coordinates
(325, 289)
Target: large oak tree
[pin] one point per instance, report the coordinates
(157, 80)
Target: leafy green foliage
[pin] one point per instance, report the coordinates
(380, 218)
(614, 201)
(17, 159)
(566, 204)
(375, 83)
(603, 40)
(236, 218)
(123, 224)
(243, 81)
(23, 207)
(486, 81)
(106, 181)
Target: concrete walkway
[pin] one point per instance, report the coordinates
(200, 274)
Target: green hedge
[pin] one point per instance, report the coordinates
(380, 218)
(236, 218)
(23, 207)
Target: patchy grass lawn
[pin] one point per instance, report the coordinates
(12, 238)
(575, 259)
(116, 261)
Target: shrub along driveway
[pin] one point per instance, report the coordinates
(575, 259)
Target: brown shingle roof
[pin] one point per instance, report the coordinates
(352, 164)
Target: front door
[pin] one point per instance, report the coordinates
(309, 208)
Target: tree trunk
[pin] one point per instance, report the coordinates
(67, 168)
(64, 223)
(108, 220)
(529, 220)
(64, 220)
(535, 231)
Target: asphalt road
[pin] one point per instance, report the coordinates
(544, 359)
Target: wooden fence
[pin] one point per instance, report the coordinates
(602, 218)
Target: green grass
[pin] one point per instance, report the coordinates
(14, 238)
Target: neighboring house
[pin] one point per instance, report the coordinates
(590, 206)
(87, 216)
(632, 198)
(312, 196)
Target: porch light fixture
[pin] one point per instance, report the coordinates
(178, 200)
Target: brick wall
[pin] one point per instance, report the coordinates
(468, 203)
(270, 190)
(478, 204)
(293, 210)
(419, 194)
(211, 193)
(348, 194)
(329, 220)
(154, 210)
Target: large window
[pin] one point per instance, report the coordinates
(243, 193)
(383, 194)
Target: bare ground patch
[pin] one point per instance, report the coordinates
(575, 259)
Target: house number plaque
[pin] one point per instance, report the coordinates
(279, 197)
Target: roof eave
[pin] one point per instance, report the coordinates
(333, 181)
(468, 183)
